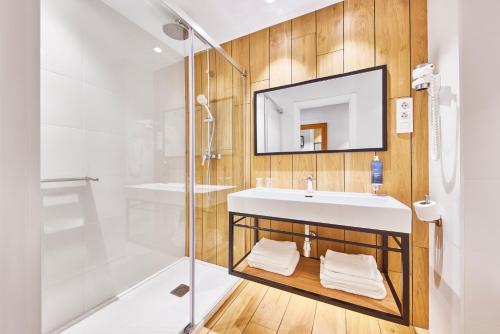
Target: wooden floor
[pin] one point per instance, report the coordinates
(257, 309)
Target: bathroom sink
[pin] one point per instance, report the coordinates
(357, 210)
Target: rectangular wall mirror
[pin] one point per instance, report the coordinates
(341, 113)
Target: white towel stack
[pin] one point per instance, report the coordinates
(280, 257)
(353, 273)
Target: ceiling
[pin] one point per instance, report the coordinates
(225, 20)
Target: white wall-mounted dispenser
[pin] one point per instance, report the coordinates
(428, 211)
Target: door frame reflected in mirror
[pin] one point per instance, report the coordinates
(323, 128)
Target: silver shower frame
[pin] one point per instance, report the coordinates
(203, 36)
(196, 31)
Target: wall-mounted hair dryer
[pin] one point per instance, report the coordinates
(424, 78)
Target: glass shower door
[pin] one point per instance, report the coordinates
(113, 168)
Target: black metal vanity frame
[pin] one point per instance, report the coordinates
(403, 244)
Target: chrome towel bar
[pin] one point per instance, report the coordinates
(70, 179)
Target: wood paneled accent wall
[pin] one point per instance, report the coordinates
(217, 80)
(347, 36)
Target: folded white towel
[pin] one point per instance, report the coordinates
(268, 243)
(375, 294)
(354, 281)
(273, 252)
(332, 275)
(352, 284)
(358, 265)
(284, 268)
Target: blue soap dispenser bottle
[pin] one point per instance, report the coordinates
(377, 174)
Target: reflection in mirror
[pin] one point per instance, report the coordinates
(339, 113)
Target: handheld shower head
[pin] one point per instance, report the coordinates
(202, 100)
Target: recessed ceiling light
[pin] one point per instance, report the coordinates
(157, 50)
(270, 1)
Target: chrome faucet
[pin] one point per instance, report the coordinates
(307, 240)
(310, 188)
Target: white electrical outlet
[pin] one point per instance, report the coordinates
(404, 121)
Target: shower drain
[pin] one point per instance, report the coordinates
(180, 291)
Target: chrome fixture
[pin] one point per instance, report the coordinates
(210, 120)
(70, 179)
(191, 184)
(198, 31)
(203, 101)
(310, 188)
(176, 30)
(439, 221)
(307, 241)
(428, 211)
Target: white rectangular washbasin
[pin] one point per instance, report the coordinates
(358, 210)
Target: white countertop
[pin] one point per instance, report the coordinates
(357, 210)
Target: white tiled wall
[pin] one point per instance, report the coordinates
(98, 94)
(446, 243)
(465, 267)
(481, 151)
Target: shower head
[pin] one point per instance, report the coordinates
(202, 100)
(176, 30)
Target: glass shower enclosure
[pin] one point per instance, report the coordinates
(143, 138)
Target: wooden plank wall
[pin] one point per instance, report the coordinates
(347, 36)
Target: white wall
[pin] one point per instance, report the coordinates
(273, 127)
(446, 243)
(19, 167)
(479, 84)
(464, 284)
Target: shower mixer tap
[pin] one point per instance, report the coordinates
(209, 156)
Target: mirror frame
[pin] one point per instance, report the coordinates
(369, 149)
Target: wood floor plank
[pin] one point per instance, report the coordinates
(387, 327)
(329, 319)
(203, 330)
(357, 323)
(238, 314)
(211, 322)
(299, 316)
(277, 311)
(271, 309)
(253, 328)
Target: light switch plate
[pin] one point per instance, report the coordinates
(404, 114)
